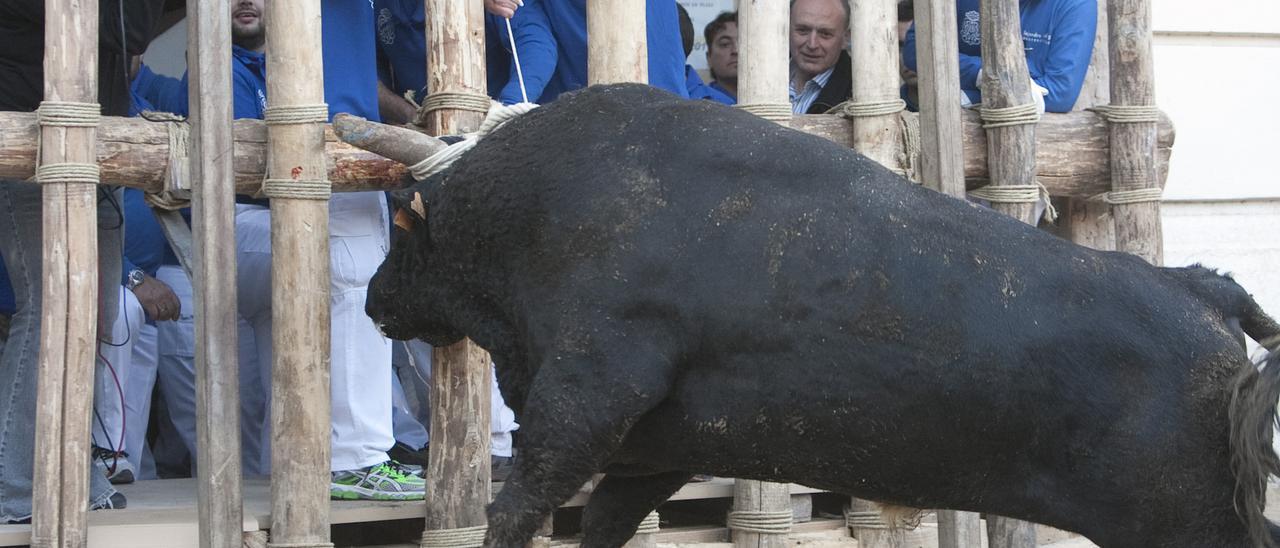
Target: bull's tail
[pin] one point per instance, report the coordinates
(1253, 458)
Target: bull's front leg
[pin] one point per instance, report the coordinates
(578, 411)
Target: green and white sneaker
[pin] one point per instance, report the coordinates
(386, 481)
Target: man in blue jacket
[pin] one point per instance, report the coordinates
(1058, 37)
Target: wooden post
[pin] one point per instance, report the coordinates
(761, 515)
(1006, 85)
(1088, 222)
(617, 49)
(941, 135)
(873, 26)
(68, 341)
(214, 277)
(1133, 140)
(300, 422)
(458, 472)
(763, 64)
(942, 163)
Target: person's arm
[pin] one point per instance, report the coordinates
(537, 49)
(157, 89)
(909, 49)
(394, 109)
(1069, 54)
(969, 64)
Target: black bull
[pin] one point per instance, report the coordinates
(672, 287)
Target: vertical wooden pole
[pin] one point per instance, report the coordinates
(761, 515)
(1133, 144)
(942, 163)
(70, 268)
(617, 50)
(1088, 222)
(762, 90)
(941, 136)
(300, 444)
(763, 64)
(873, 25)
(213, 216)
(1006, 83)
(458, 472)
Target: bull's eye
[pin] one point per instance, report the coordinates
(404, 220)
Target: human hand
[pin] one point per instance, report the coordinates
(503, 8)
(157, 299)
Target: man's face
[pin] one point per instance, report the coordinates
(246, 24)
(722, 54)
(818, 30)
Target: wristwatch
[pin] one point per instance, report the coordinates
(135, 278)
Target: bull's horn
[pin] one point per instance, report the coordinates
(401, 144)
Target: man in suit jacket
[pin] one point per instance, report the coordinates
(821, 71)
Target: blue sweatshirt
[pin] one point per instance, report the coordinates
(699, 90)
(151, 91)
(350, 58)
(537, 51)
(248, 86)
(8, 304)
(1058, 37)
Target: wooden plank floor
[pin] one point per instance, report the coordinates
(162, 513)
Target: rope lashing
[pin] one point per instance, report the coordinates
(1134, 196)
(297, 189)
(498, 115)
(1017, 194)
(649, 525)
(774, 112)
(317, 113)
(176, 173)
(457, 100)
(1009, 116)
(867, 109)
(872, 519)
(911, 144)
(68, 172)
(1129, 114)
(464, 537)
(750, 521)
(68, 114)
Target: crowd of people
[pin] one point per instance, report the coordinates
(374, 67)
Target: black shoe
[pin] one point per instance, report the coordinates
(402, 453)
(115, 502)
(500, 468)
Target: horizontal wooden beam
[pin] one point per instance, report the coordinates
(1072, 152)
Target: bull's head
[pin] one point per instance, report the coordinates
(407, 295)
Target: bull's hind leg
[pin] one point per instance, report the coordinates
(576, 415)
(619, 504)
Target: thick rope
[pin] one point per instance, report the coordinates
(317, 113)
(867, 109)
(457, 100)
(1018, 194)
(68, 114)
(299, 545)
(67, 172)
(498, 115)
(1009, 116)
(1135, 196)
(1129, 114)
(909, 126)
(872, 519)
(176, 175)
(774, 112)
(649, 525)
(297, 189)
(465, 537)
(769, 523)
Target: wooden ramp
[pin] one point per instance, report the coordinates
(162, 513)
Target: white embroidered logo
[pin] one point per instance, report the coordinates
(386, 30)
(971, 29)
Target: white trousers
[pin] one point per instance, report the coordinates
(360, 357)
(502, 420)
(113, 369)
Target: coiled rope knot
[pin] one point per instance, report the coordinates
(774, 112)
(1134, 196)
(872, 519)
(1017, 194)
(498, 116)
(750, 521)
(1128, 114)
(649, 525)
(1009, 116)
(463, 537)
(867, 109)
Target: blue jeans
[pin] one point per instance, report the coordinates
(21, 243)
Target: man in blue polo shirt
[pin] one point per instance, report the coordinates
(1058, 38)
